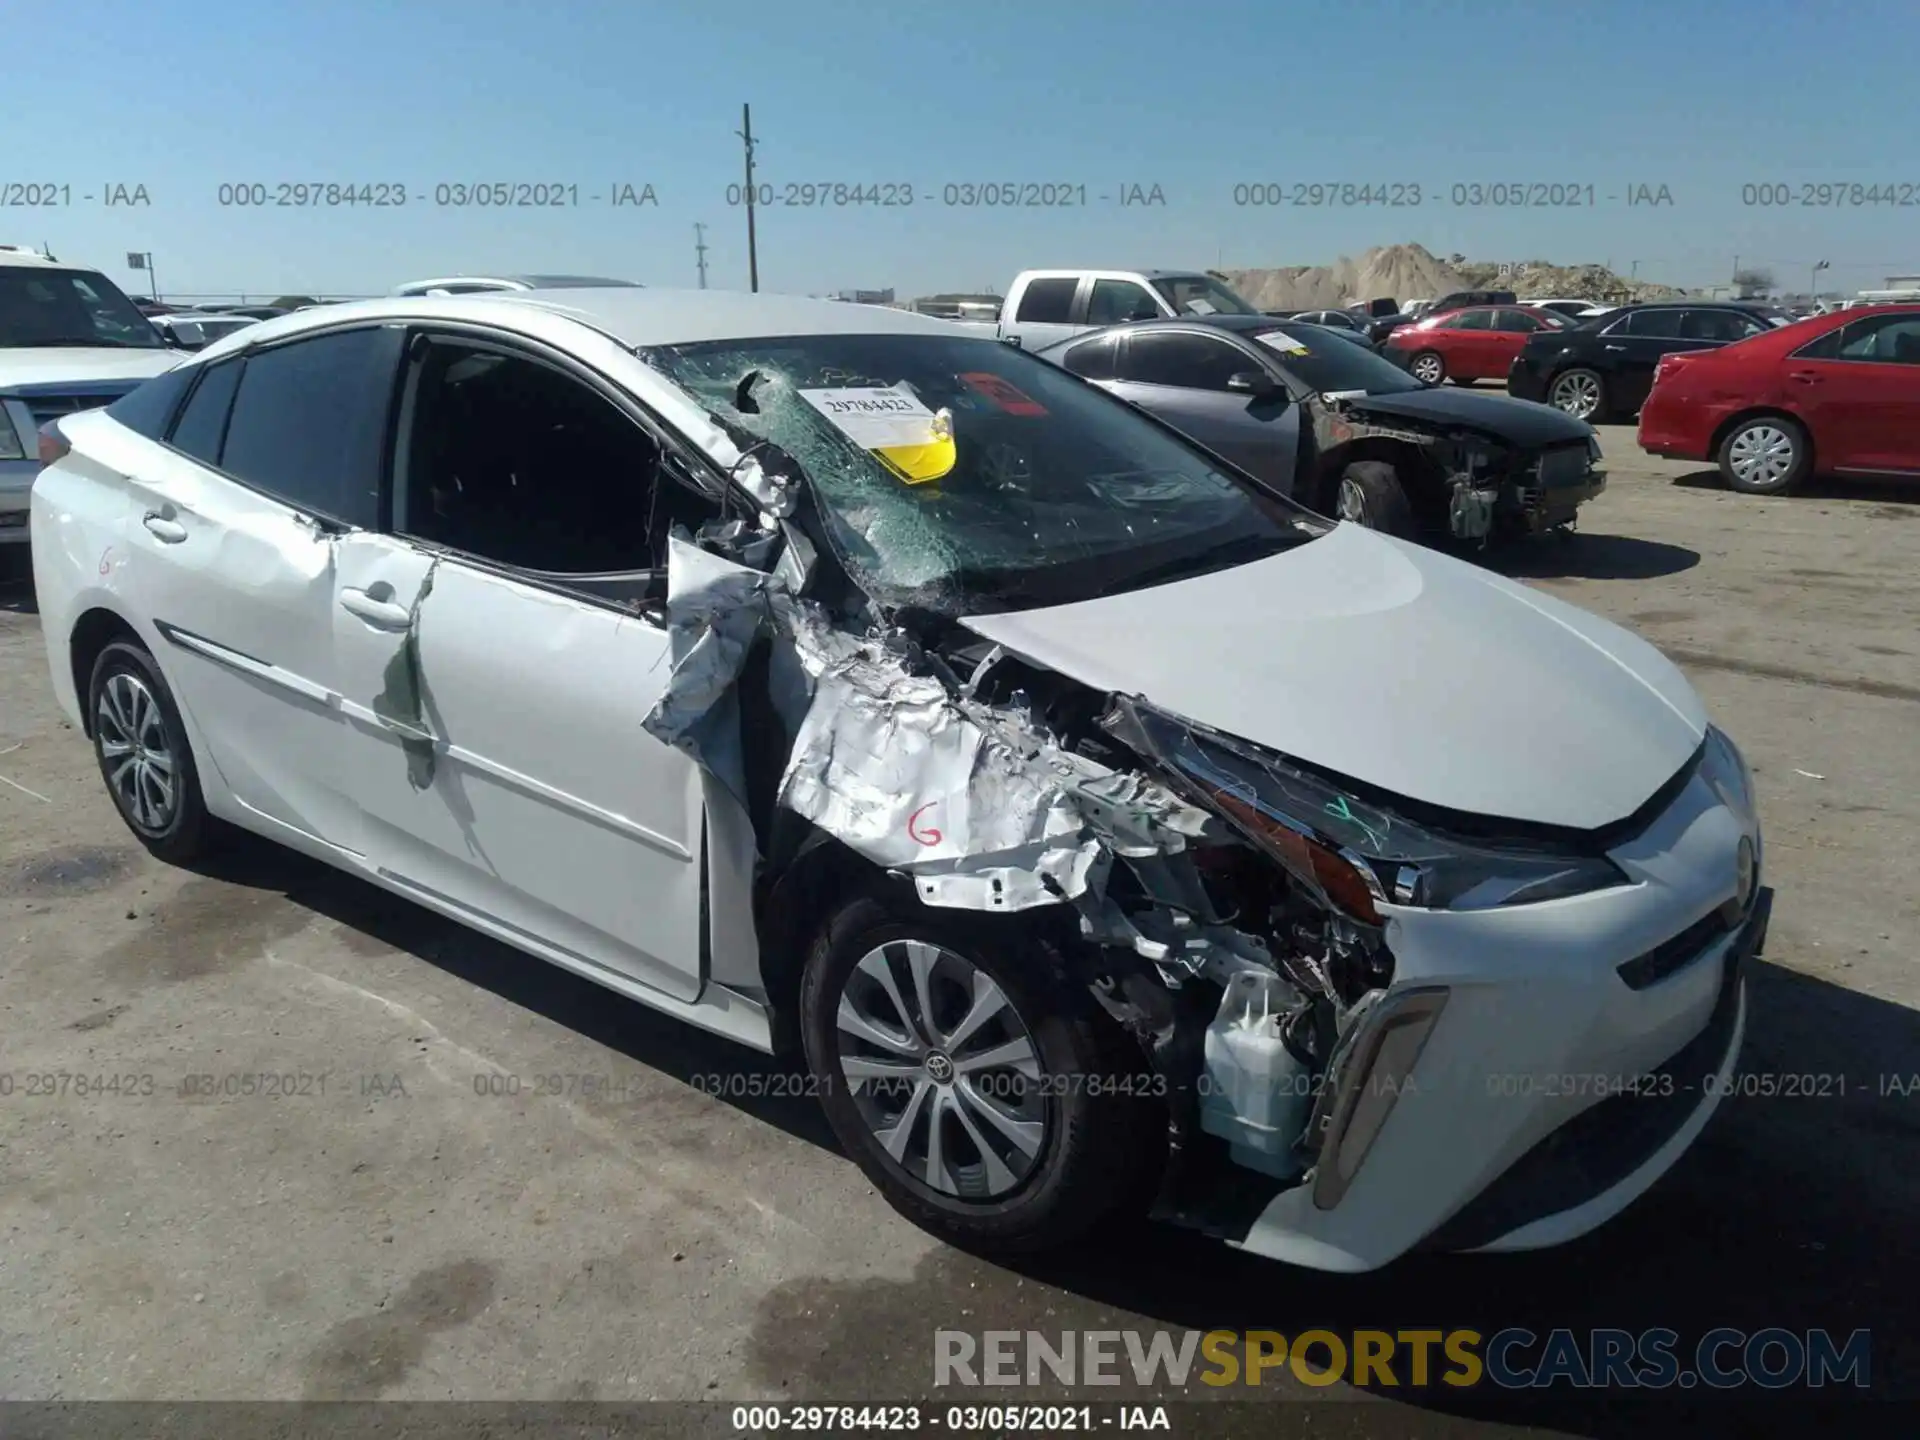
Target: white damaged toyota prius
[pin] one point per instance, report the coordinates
(1105, 834)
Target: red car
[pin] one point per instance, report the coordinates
(1475, 343)
(1835, 393)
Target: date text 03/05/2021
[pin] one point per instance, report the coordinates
(952, 1419)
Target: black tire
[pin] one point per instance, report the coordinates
(1101, 1143)
(1462, 381)
(1778, 479)
(1438, 368)
(186, 830)
(1602, 406)
(1369, 493)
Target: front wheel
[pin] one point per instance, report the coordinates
(986, 1095)
(1428, 367)
(1767, 455)
(1370, 494)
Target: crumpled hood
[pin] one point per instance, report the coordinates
(1519, 422)
(81, 364)
(1397, 666)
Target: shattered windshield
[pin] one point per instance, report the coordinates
(961, 473)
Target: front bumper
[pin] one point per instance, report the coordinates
(1488, 1145)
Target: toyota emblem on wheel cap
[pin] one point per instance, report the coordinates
(939, 1068)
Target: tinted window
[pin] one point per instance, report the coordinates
(1326, 362)
(1827, 347)
(201, 425)
(1657, 324)
(519, 462)
(1093, 360)
(1470, 320)
(146, 409)
(1193, 362)
(1889, 339)
(309, 422)
(1517, 322)
(1721, 325)
(1047, 302)
(49, 308)
(1114, 301)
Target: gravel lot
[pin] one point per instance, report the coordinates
(401, 1236)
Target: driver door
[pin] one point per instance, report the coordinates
(1182, 377)
(499, 646)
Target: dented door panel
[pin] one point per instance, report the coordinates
(497, 752)
(240, 589)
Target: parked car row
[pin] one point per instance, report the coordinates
(1251, 848)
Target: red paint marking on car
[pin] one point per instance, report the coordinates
(106, 561)
(924, 835)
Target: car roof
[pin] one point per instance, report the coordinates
(1239, 324)
(633, 316)
(535, 282)
(18, 255)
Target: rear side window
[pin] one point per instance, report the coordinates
(198, 430)
(1470, 320)
(1723, 325)
(1047, 302)
(1093, 360)
(309, 423)
(147, 408)
(1656, 324)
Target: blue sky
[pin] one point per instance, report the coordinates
(1701, 96)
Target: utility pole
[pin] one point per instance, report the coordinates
(700, 251)
(745, 133)
(1636, 270)
(1813, 282)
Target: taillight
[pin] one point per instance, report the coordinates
(53, 445)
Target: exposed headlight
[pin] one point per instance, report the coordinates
(10, 446)
(1357, 854)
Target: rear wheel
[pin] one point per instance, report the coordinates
(1580, 392)
(1767, 455)
(142, 750)
(1370, 494)
(1427, 366)
(987, 1097)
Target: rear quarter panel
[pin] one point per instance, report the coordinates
(80, 510)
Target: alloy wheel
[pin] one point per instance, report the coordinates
(1577, 394)
(1762, 455)
(942, 1070)
(1353, 502)
(1428, 368)
(137, 752)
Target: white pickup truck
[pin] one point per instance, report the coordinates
(1044, 307)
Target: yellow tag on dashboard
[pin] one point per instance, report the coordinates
(917, 464)
(890, 423)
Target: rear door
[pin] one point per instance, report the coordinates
(273, 460)
(1044, 312)
(1468, 344)
(1632, 347)
(1181, 376)
(1859, 391)
(1512, 328)
(500, 646)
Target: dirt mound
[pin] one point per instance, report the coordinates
(1412, 272)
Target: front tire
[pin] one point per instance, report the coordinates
(142, 750)
(983, 1092)
(1767, 455)
(1370, 494)
(1428, 367)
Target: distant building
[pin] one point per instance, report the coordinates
(866, 297)
(958, 307)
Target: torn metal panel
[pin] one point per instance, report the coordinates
(716, 609)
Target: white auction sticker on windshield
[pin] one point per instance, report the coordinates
(1283, 342)
(876, 417)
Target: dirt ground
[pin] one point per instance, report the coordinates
(403, 1234)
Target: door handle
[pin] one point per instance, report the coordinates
(1805, 377)
(1614, 347)
(163, 528)
(381, 614)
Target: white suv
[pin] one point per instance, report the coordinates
(69, 340)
